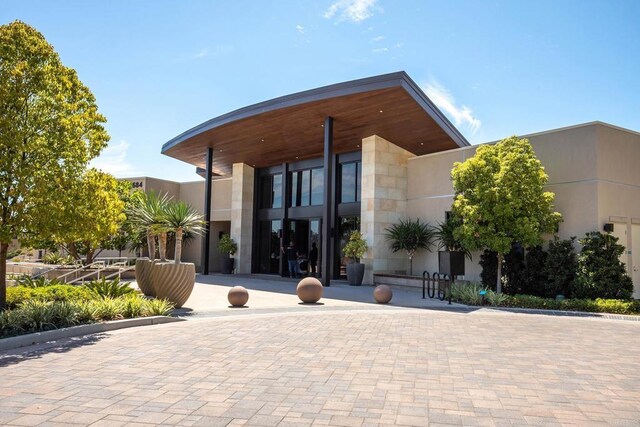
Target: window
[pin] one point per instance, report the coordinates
(271, 191)
(307, 187)
(350, 182)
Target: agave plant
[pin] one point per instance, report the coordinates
(410, 236)
(182, 218)
(147, 214)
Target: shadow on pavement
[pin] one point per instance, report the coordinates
(21, 354)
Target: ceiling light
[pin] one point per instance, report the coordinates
(358, 146)
(381, 111)
(262, 140)
(422, 143)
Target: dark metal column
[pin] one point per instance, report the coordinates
(207, 211)
(328, 211)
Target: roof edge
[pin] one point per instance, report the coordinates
(383, 81)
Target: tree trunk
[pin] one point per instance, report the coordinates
(178, 248)
(4, 248)
(151, 245)
(162, 246)
(410, 266)
(73, 251)
(499, 279)
(90, 252)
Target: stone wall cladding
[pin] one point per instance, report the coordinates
(242, 184)
(384, 202)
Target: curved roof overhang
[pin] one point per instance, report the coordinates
(290, 127)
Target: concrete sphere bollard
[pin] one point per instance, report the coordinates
(309, 290)
(382, 294)
(238, 296)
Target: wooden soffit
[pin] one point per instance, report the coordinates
(290, 128)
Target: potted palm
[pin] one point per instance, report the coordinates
(174, 281)
(452, 254)
(227, 246)
(146, 214)
(354, 250)
(410, 236)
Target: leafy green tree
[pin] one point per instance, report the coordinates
(410, 236)
(501, 200)
(94, 212)
(601, 274)
(50, 128)
(126, 233)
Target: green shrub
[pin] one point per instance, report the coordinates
(600, 272)
(36, 316)
(560, 268)
(132, 306)
(105, 309)
(467, 293)
(157, 307)
(13, 254)
(38, 282)
(18, 294)
(495, 299)
(104, 288)
(58, 259)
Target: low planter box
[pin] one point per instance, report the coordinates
(397, 280)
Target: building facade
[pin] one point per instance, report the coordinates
(312, 167)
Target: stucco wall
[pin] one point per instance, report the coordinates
(593, 170)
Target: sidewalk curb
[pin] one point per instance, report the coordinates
(75, 331)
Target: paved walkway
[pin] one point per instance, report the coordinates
(345, 363)
(266, 294)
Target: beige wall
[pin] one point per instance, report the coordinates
(242, 184)
(384, 202)
(593, 169)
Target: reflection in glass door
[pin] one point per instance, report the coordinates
(346, 225)
(269, 247)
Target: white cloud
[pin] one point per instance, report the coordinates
(113, 160)
(215, 51)
(460, 114)
(380, 50)
(377, 39)
(300, 29)
(351, 10)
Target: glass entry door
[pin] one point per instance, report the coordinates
(306, 237)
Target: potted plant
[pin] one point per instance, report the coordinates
(146, 214)
(354, 250)
(174, 281)
(228, 246)
(410, 236)
(452, 254)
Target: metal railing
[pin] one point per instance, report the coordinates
(100, 265)
(436, 285)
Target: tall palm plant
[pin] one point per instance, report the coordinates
(410, 236)
(147, 214)
(182, 218)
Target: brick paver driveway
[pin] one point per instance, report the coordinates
(342, 368)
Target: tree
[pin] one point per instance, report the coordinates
(410, 236)
(601, 274)
(147, 214)
(499, 194)
(50, 128)
(181, 218)
(94, 213)
(126, 234)
(560, 268)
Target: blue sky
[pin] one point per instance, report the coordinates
(496, 68)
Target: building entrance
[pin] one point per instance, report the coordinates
(306, 237)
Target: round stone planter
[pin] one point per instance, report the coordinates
(238, 296)
(143, 276)
(174, 282)
(309, 290)
(382, 294)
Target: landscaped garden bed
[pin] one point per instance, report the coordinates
(470, 294)
(43, 305)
